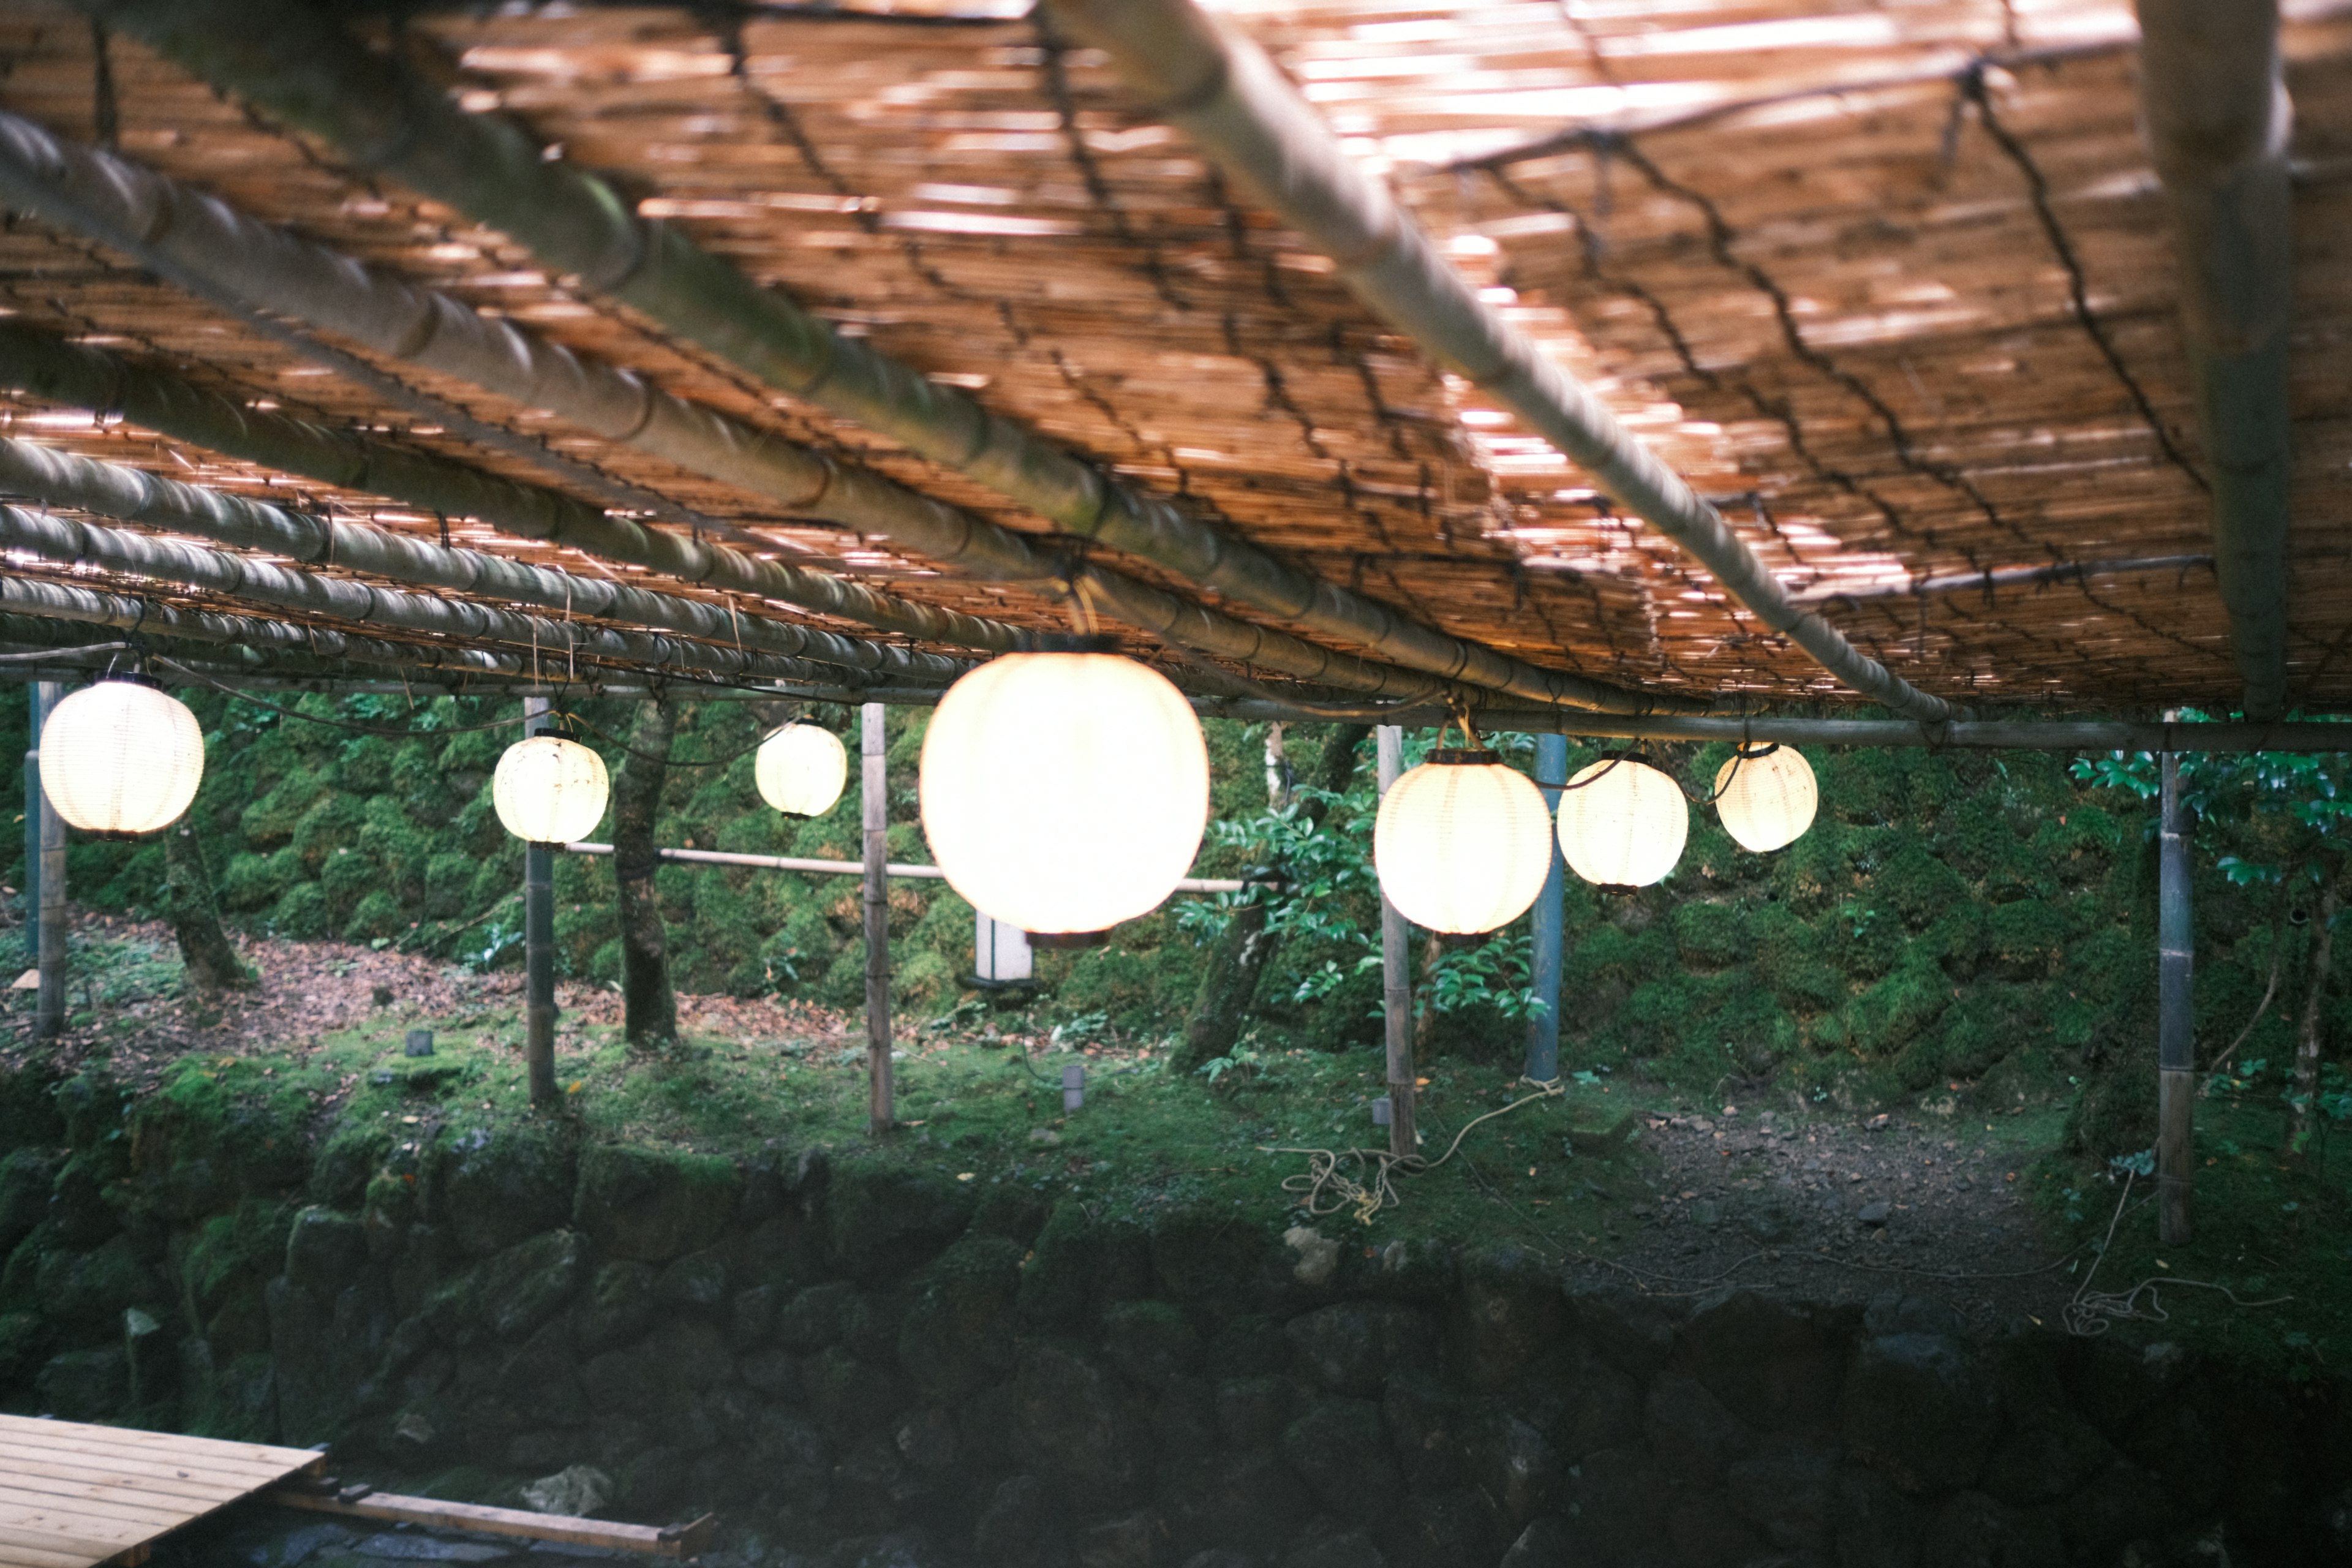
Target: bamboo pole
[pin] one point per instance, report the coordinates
(875, 809)
(552, 643)
(1987, 581)
(305, 66)
(1396, 973)
(50, 1009)
(2069, 735)
(538, 944)
(1223, 89)
(2214, 109)
(2176, 1033)
(133, 495)
(1543, 979)
(32, 890)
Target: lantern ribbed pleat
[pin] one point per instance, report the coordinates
(1064, 792)
(1622, 824)
(549, 789)
(119, 757)
(801, 769)
(1767, 802)
(1462, 847)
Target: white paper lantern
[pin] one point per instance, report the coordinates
(1064, 792)
(549, 790)
(1462, 843)
(1767, 802)
(1622, 822)
(801, 769)
(121, 758)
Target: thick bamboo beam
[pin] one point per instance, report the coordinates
(303, 64)
(2214, 109)
(1224, 91)
(1990, 582)
(133, 495)
(80, 376)
(553, 643)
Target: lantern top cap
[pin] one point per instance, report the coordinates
(1069, 642)
(1463, 757)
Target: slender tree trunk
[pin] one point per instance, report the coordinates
(207, 956)
(2303, 1104)
(649, 1007)
(1229, 989)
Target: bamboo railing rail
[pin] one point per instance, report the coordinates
(305, 66)
(133, 495)
(1224, 92)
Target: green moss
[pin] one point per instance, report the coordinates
(1709, 934)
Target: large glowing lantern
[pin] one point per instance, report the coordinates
(1622, 822)
(120, 757)
(1766, 797)
(1462, 844)
(801, 769)
(1064, 792)
(549, 790)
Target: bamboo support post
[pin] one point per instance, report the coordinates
(32, 890)
(1396, 974)
(2175, 1039)
(539, 946)
(49, 1012)
(1543, 977)
(875, 803)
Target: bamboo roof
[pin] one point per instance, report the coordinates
(1893, 285)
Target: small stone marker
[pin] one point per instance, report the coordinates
(1382, 1111)
(420, 1043)
(1875, 1212)
(1074, 1087)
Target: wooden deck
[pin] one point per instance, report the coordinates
(74, 1497)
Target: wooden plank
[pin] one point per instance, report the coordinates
(226, 1483)
(685, 1541)
(23, 1471)
(92, 1499)
(74, 1495)
(112, 1438)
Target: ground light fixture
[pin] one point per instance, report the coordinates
(799, 770)
(1622, 822)
(550, 789)
(1462, 843)
(1064, 790)
(1766, 797)
(121, 758)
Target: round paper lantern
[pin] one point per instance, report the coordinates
(1462, 843)
(549, 790)
(1622, 822)
(121, 758)
(801, 769)
(1766, 798)
(1064, 792)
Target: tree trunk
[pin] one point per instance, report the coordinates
(207, 956)
(649, 1007)
(2302, 1103)
(1229, 989)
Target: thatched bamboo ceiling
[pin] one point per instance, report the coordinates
(1921, 326)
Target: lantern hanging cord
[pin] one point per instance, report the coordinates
(1325, 1189)
(384, 729)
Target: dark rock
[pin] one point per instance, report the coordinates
(1876, 1526)
(1511, 1464)
(751, 1317)
(1508, 1313)
(1020, 1526)
(1895, 1312)
(1246, 1501)
(1706, 1533)
(1923, 1409)
(1206, 1254)
(653, 1205)
(543, 1376)
(1351, 1549)
(1079, 1263)
(393, 1548)
(2045, 1460)
(695, 1283)
(793, 1455)
(1248, 1346)
(78, 1206)
(86, 1386)
(1074, 1424)
(529, 1282)
(1602, 1410)
(849, 1397)
(927, 1441)
(1633, 1331)
(1340, 1448)
(24, 1346)
(1424, 1420)
(1616, 1506)
(85, 1294)
(1137, 1540)
(494, 1187)
(1444, 1530)
(654, 1479)
(1785, 1489)
(1770, 1363)
(1875, 1214)
(1973, 1530)
(814, 1318)
(1546, 1542)
(1351, 1346)
(1215, 1559)
(772, 1373)
(2122, 1504)
(957, 1335)
(325, 1250)
(1252, 1411)
(618, 1307)
(27, 1178)
(1420, 1270)
(1150, 1341)
(1693, 1435)
(886, 1220)
(682, 1354)
(1011, 1210)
